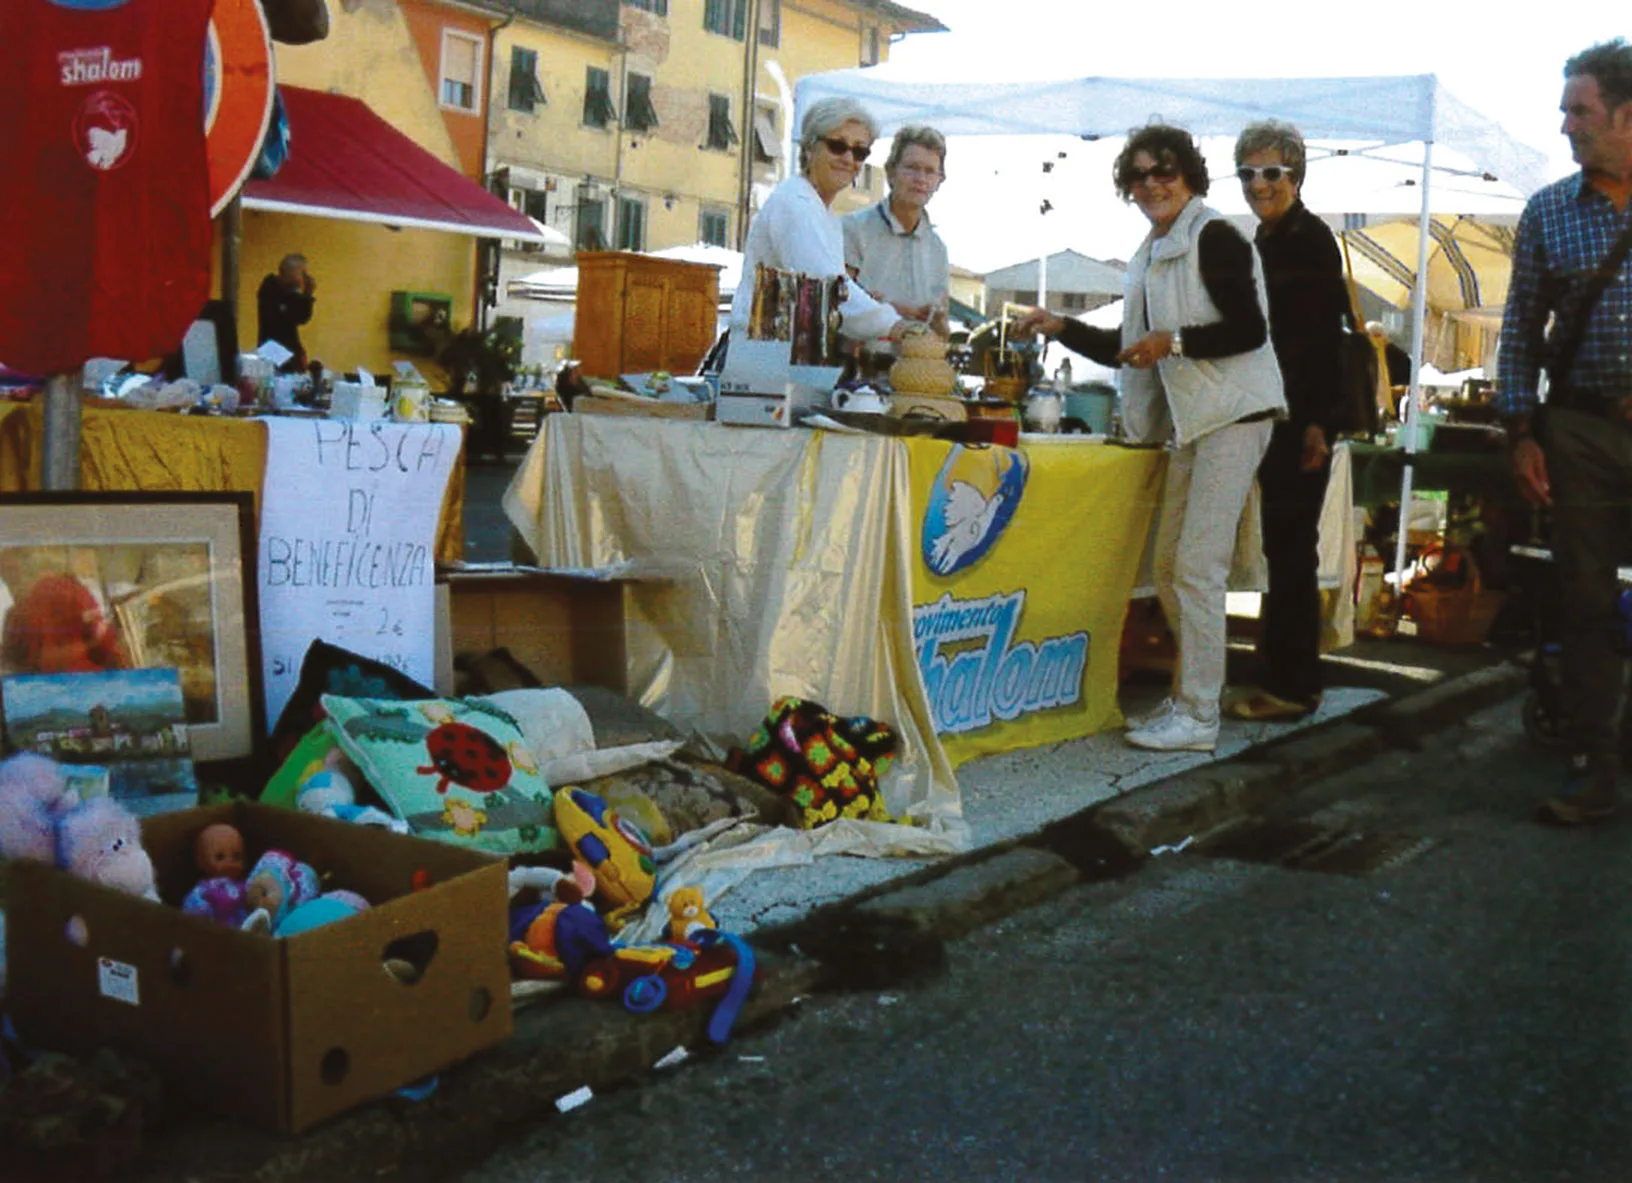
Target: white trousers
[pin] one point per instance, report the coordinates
(1207, 487)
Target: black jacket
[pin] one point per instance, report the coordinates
(280, 311)
(1303, 272)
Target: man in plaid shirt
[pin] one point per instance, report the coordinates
(1577, 458)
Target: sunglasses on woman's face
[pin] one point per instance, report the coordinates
(1163, 173)
(1270, 172)
(839, 147)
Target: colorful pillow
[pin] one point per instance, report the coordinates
(456, 770)
(829, 766)
(329, 669)
(303, 760)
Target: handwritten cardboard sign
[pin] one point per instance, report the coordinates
(349, 514)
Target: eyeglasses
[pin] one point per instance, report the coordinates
(1270, 172)
(919, 170)
(839, 147)
(1162, 173)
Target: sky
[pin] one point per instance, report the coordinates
(1505, 65)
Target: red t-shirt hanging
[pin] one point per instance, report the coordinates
(105, 205)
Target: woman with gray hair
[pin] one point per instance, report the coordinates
(797, 230)
(1303, 276)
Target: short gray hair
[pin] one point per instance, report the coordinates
(1271, 135)
(916, 136)
(290, 261)
(826, 117)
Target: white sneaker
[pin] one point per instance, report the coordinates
(1179, 732)
(1160, 713)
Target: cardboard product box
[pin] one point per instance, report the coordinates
(283, 1032)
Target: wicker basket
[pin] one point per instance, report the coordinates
(1453, 614)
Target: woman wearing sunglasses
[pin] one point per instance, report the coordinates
(1303, 274)
(1202, 378)
(797, 230)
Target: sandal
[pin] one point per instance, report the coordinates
(1261, 706)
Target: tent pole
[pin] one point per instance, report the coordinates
(1419, 309)
(59, 446)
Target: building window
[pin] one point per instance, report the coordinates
(714, 227)
(770, 23)
(869, 46)
(526, 91)
(1074, 301)
(721, 135)
(532, 202)
(589, 223)
(638, 112)
(598, 108)
(767, 143)
(631, 224)
(660, 7)
(461, 71)
(728, 18)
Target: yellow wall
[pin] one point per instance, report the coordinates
(552, 136)
(370, 54)
(357, 266)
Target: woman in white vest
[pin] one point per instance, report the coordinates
(1201, 377)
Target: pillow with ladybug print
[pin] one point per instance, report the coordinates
(455, 769)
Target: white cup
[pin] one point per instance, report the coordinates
(866, 402)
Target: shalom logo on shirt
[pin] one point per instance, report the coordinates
(87, 67)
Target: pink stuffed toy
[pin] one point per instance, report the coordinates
(32, 789)
(41, 820)
(101, 841)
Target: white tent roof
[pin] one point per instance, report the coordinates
(1381, 110)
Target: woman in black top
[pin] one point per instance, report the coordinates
(1303, 272)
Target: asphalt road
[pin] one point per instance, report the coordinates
(1461, 1012)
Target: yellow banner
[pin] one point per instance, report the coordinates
(1023, 561)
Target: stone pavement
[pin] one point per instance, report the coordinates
(1042, 819)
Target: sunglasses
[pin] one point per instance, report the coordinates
(1164, 173)
(1270, 172)
(839, 147)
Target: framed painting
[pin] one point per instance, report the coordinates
(139, 580)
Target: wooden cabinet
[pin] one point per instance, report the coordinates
(638, 314)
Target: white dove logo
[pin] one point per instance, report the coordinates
(106, 147)
(969, 518)
(105, 130)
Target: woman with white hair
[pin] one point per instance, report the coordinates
(797, 230)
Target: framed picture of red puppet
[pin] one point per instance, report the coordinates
(138, 580)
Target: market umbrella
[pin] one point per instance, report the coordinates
(1470, 259)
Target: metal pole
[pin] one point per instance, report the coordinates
(232, 241)
(1419, 308)
(59, 450)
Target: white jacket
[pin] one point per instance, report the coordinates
(796, 231)
(1192, 396)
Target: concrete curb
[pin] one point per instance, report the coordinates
(873, 940)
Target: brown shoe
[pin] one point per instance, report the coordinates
(1263, 707)
(1588, 798)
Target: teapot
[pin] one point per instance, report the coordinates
(1044, 409)
(861, 399)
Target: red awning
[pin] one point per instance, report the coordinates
(346, 162)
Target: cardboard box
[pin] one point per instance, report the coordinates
(566, 629)
(590, 404)
(284, 1032)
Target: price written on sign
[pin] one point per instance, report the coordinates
(347, 549)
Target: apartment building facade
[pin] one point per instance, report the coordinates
(643, 124)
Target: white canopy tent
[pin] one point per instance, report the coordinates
(1361, 118)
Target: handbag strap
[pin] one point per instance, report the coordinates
(1569, 345)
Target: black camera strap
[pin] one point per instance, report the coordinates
(1564, 357)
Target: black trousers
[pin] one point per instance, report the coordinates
(1289, 641)
(1589, 465)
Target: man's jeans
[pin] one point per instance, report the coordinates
(1589, 465)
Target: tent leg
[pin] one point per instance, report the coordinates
(59, 449)
(1419, 315)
